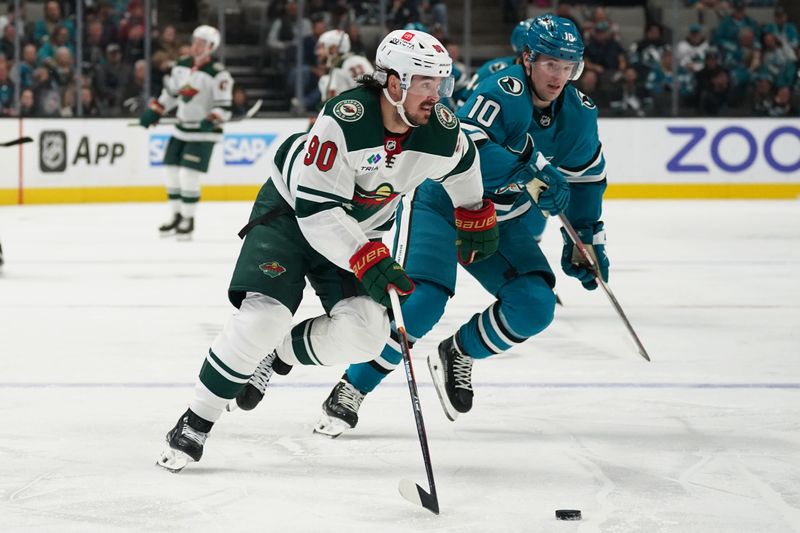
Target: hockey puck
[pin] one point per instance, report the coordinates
(568, 514)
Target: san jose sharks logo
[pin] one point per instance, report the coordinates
(510, 85)
(187, 92)
(272, 269)
(585, 100)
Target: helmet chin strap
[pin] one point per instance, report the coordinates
(399, 106)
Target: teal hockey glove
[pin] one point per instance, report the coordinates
(477, 234)
(374, 267)
(573, 262)
(547, 185)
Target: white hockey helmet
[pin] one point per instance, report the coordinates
(336, 38)
(410, 53)
(209, 34)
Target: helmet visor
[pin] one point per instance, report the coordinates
(558, 67)
(430, 86)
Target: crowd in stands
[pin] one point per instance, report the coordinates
(728, 65)
(112, 63)
(732, 67)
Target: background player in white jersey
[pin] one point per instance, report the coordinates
(331, 195)
(342, 66)
(201, 89)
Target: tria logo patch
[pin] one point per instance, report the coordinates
(272, 269)
(374, 158)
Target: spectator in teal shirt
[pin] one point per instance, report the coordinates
(785, 32)
(727, 33)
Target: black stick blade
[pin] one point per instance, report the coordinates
(21, 140)
(419, 496)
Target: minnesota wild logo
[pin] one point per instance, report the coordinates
(272, 269)
(187, 92)
(446, 117)
(348, 110)
(510, 85)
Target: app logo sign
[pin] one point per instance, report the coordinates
(52, 151)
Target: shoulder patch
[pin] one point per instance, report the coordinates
(499, 65)
(445, 116)
(585, 100)
(511, 85)
(348, 110)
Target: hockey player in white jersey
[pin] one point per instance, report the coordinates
(202, 90)
(331, 194)
(342, 67)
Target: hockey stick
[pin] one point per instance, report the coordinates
(408, 489)
(535, 188)
(593, 265)
(173, 120)
(21, 140)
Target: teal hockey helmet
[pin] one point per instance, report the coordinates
(518, 39)
(556, 37)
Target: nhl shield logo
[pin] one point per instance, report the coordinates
(391, 145)
(348, 110)
(53, 151)
(272, 269)
(545, 120)
(446, 117)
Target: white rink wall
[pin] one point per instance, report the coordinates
(103, 160)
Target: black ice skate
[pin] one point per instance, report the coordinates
(185, 442)
(168, 228)
(253, 392)
(185, 228)
(452, 378)
(340, 409)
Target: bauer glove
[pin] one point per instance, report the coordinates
(573, 262)
(374, 267)
(477, 234)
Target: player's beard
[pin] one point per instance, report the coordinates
(422, 113)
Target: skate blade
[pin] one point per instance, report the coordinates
(437, 374)
(185, 237)
(232, 406)
(173, 460)
(330, 426)
(165, 234)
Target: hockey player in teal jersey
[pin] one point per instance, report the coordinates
(514, 117)
(497, 64)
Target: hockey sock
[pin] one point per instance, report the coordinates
(234, 355)
(173, 188)
(525, 308)
(190, 191)
(421, 312)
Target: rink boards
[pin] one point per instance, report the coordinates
(107, 160)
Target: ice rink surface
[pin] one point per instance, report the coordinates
(104, 326)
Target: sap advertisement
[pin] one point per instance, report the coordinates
(702, 150)
(114, 152)
(123, 160)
